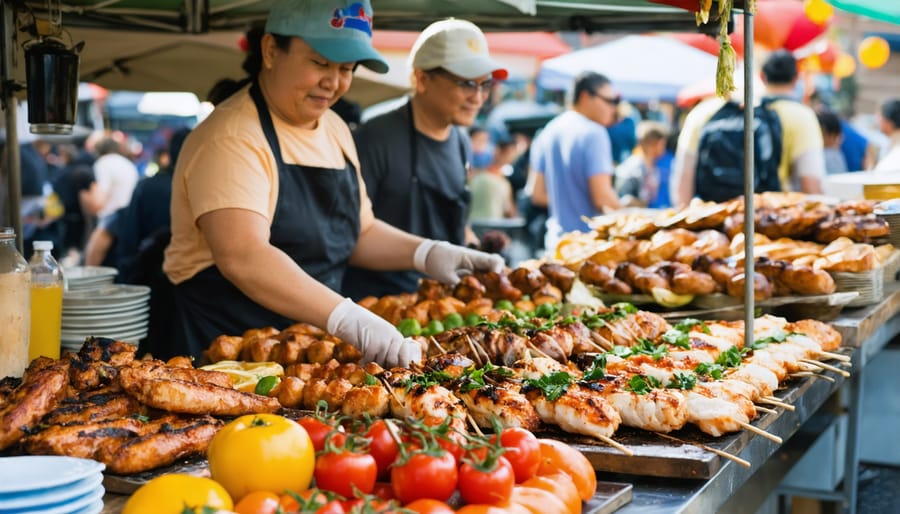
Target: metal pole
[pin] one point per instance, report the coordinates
(749, 218)
(13, 172)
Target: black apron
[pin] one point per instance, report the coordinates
(316, 223)
(433, 214)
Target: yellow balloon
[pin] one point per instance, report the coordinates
(844, 66)
(873, 52)
(818, 11)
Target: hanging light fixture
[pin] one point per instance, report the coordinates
(51, 73)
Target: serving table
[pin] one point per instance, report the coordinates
(734, 488)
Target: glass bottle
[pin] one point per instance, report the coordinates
(46, 302)
(15, 306)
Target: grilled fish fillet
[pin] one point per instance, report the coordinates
(39, 394)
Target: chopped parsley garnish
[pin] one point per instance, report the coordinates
(687, 324)
(597, 369)
(709, 369)
(640, 384)
(473, 378)
(646, 347)
(553, 385)
(685, 381)
(732, 357)
(677, 338)
(370, 380)
(778, 337)
(427, 379)
(621, 351)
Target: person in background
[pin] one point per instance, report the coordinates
(571, 159)
(482, 150)
(72, 186)
(802, 163)
(492, 195)
(832, 137)
(268, 205)
(415, 158)
(889, 120)
(115, 175)
(638, 180)
(623, 133)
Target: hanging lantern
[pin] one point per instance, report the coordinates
(51, 71)
(818, 11)
(873, 52)
(844, 66)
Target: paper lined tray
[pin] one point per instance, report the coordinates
(869, 285)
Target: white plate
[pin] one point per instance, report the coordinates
(30, 472)
(94, 508)
(75, 341)
(51, 495)
(65, 506)
(111, 333)
(77, 324)
(115, 308)
(77, 273)
(111, 294)
(103, 315)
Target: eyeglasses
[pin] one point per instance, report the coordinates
(469, 86)
(614, 101)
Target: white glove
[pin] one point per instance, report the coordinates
(377, 339)
(447, 263)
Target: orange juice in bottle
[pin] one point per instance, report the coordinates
(46, 302)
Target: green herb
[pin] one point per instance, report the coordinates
(140, 417)
(731, 358)
(370, 380)
(621, 351)
(778, 337)
(426, 380)
(707, 368)
(473, 378)
(677, 338)
(597, 369)
(646, 347)
(553, 385)
(687, 324)
(685, 381)
(266, 384)
(640, 384)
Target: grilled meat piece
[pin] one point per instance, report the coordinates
(172, 440)
(224, 348)
(526, 280)
(102, 349)
(858, 228)
(508, 405)
(185, 397)
(85, 375)
(158, 369)
(373, 400)
(38, 394)
(99, 407)
(559, 276)
(85, 441)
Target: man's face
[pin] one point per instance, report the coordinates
(300, 83)
(602, 105)
(451, 97)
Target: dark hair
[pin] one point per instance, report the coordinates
(890, 110)
(252, 65)
(588, 82)
(107, 146)
(780, 68)
(829, 121)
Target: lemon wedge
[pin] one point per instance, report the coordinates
(667, 298)
(246, 375)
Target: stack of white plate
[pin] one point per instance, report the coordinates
(116, 311)
(79, 278)
(50, 485)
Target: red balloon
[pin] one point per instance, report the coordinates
(784, 25)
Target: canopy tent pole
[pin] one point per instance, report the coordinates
(749, 217)
(8, 90)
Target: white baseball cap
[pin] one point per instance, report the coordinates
(457, 46)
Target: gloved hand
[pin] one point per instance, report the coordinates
(447, 263)
(377, 339)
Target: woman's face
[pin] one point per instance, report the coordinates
(300, 84)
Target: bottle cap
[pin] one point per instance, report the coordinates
(43, 245)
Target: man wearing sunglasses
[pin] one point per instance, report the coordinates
(414, 159)
(571, 159)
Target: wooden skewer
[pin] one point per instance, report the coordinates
(811, 374)
(621, 447)
(474, 424)
(765, 409)
(605, 343)
(835, 356)
(710, 449)
(475, 353)
(440, 348)
(829, 367)
(760, 432)
(539, 351)
(393, 394)
(593, 343)
(768, 400)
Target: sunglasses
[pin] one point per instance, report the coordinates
(469, 86)
(616, 100)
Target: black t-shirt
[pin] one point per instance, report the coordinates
(385, 160)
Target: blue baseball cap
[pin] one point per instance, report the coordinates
(340, 30)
